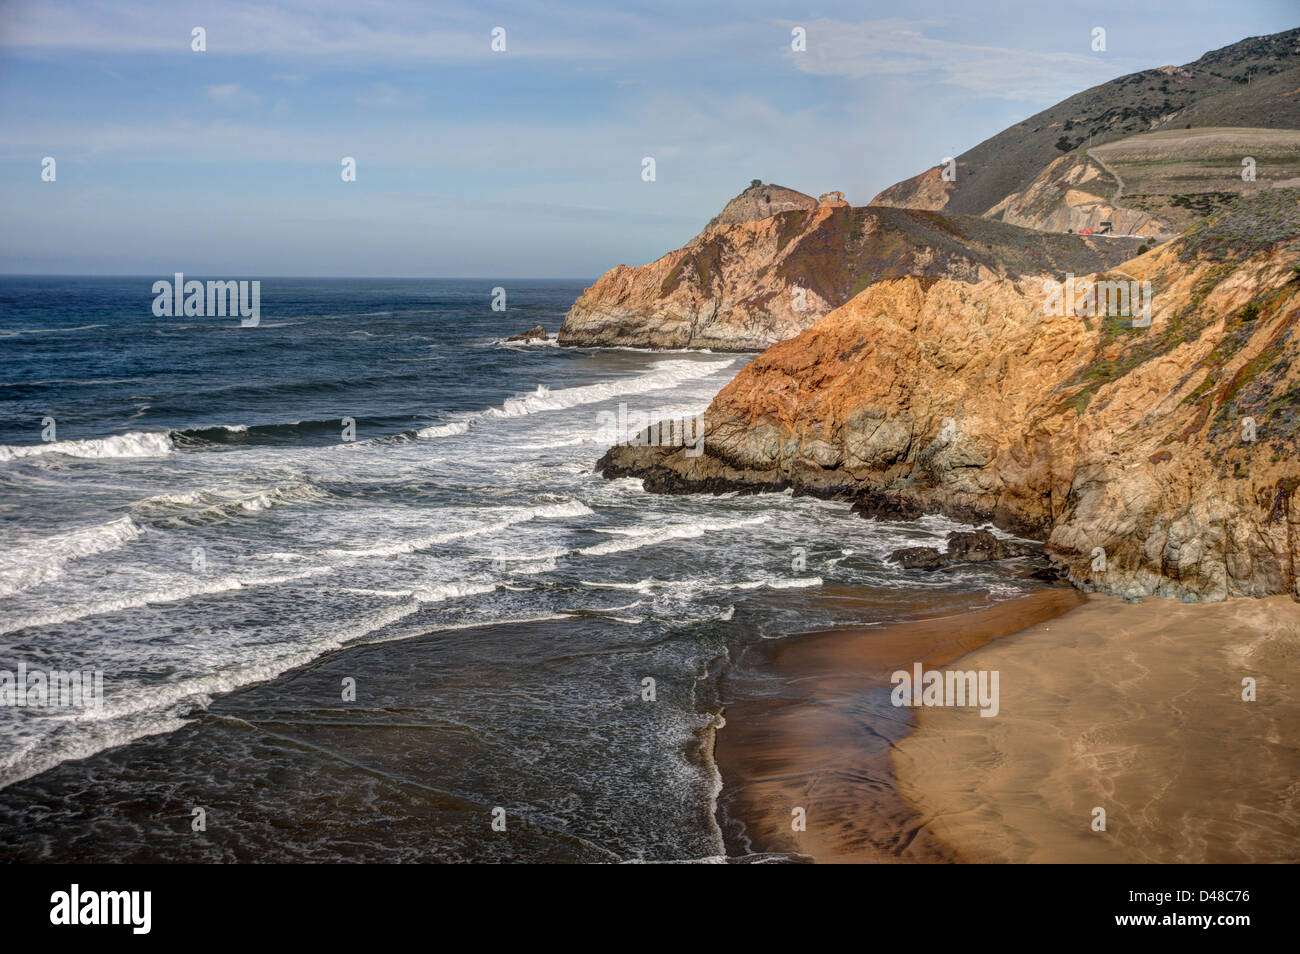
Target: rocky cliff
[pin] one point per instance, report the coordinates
(1153, 460)
(755, 277)
(759, 201)
(1072, 194)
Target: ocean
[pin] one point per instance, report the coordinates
(357, 594)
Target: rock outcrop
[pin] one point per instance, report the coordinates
(748, 282)
(1152, 460)
(919, 558)
(535, 333)
(977, 546)
(759, 201)
(1074, 193)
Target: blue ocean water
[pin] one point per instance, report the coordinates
(371, 484)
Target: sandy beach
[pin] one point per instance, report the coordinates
(809, 724)
(1133, 708)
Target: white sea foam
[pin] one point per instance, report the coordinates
(641, 586)
(434, 593)
(451, 591)
(133, 712)
(635, 538)
(793, 583)
(692, 587)
(172, 591)
(206, 504)
(533, 567)
(442, 430)
(661, 375)
(509, 517)
(133, 444)
(550, 341)
(39, 561)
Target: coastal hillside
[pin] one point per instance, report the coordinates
(756, 276)
(1051, 152)
(1075, 193)
(1156, 459)
(1154, 184)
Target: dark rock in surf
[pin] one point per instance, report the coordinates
(919, 558)
(979, 546)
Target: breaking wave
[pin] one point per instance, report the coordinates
(134, 444)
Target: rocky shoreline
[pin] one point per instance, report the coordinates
(1136, 409)
(1156, 459)
(716, 477)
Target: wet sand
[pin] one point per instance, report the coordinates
(809, 724)
(1133, 708)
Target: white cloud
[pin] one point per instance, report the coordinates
(232, 95)
(897, 48)
(383, 31)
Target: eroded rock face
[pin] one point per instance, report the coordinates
(1126, 448)
(759, 201)
(929, 190)
(746, 284)
(1071, 194)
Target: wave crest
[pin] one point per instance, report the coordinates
(133, 444)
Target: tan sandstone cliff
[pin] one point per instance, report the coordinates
(1074, 193)
(756, 276)
(1129, 449)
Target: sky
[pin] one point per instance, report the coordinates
(525, 162)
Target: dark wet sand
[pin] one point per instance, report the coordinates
(809, 724)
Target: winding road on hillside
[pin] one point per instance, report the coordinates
(1118, 179)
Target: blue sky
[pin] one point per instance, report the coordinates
(522, 163)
